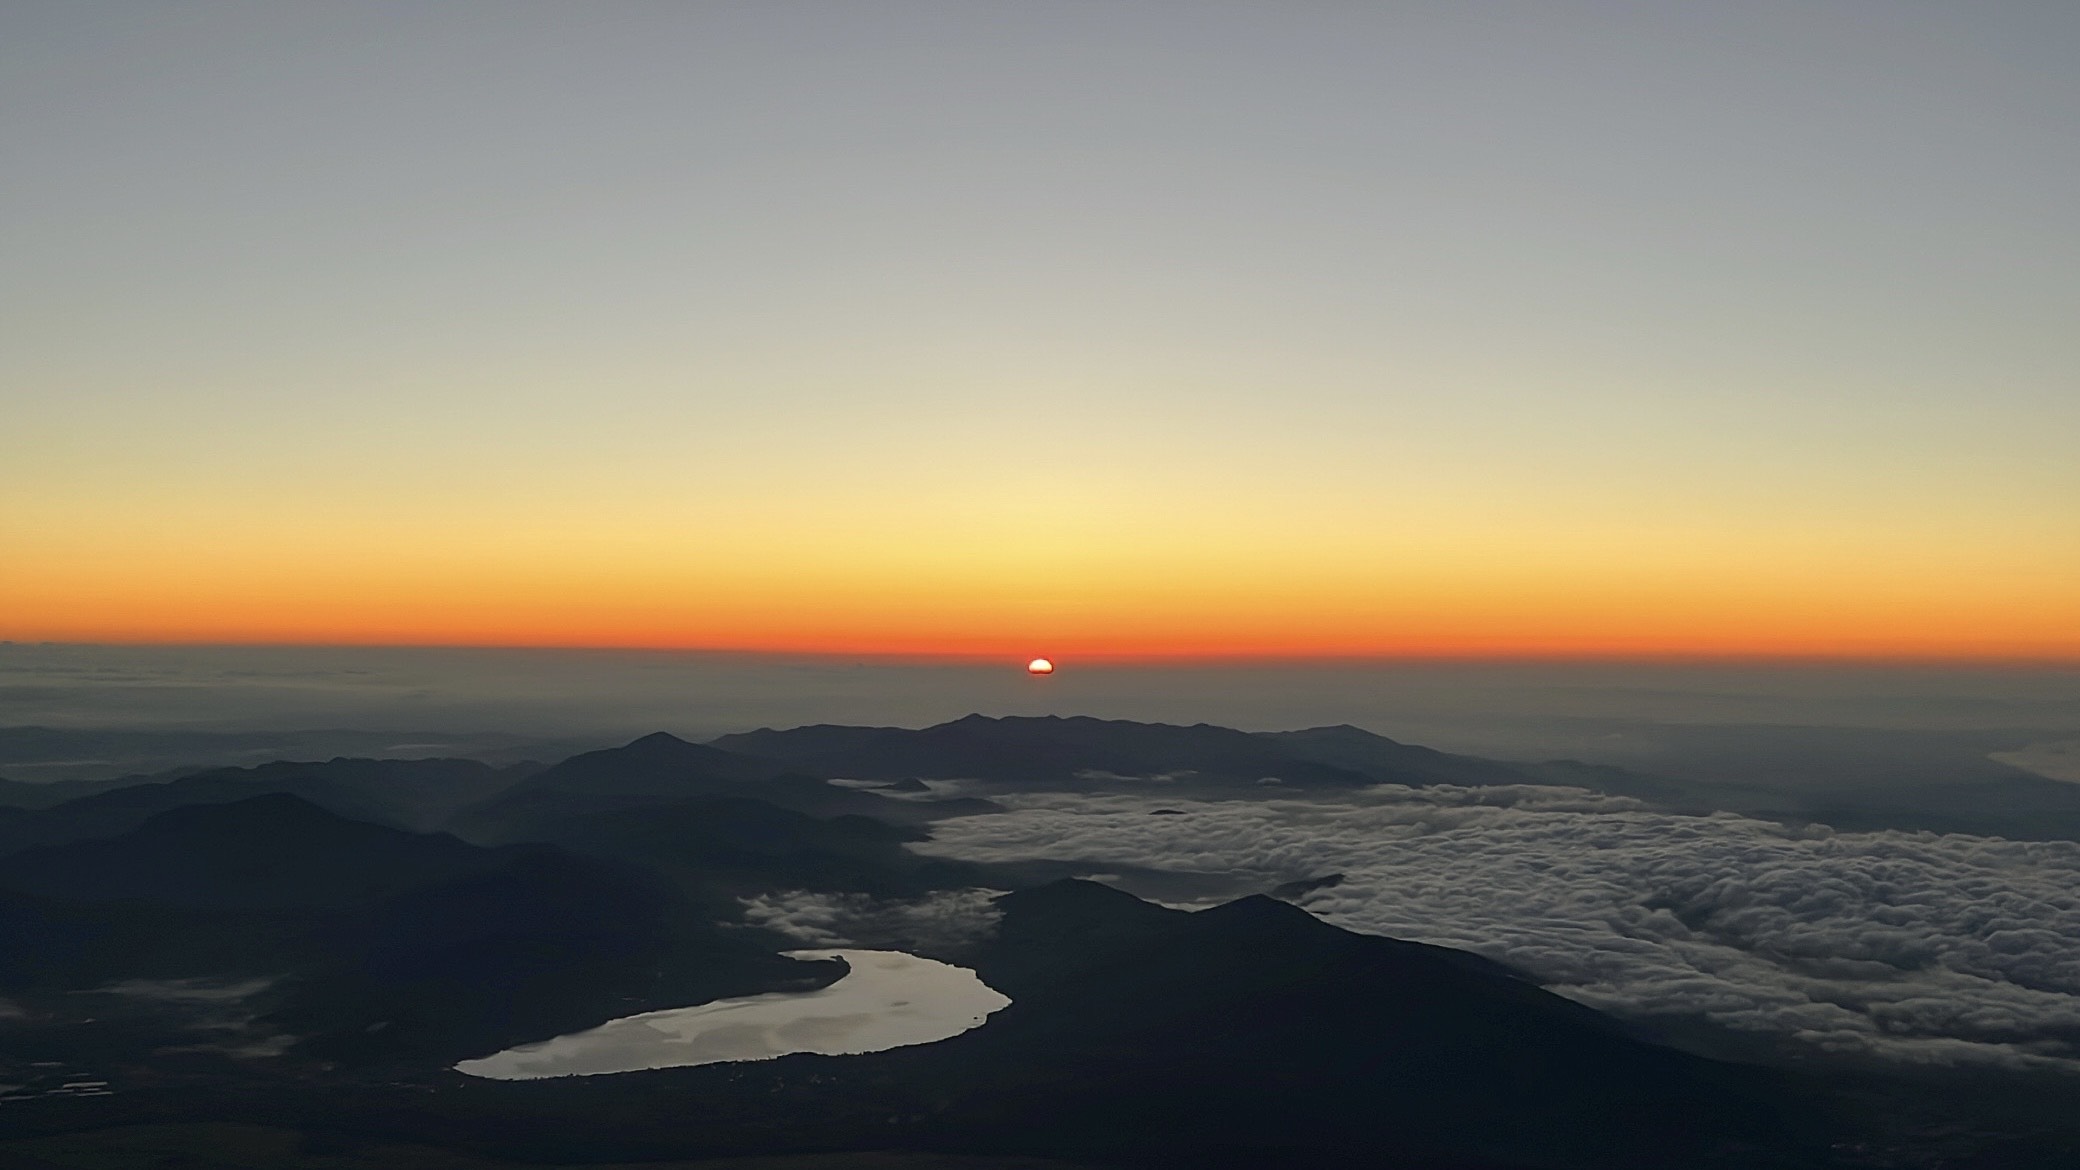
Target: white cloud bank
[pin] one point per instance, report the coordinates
(940, 924)
(1911, 946)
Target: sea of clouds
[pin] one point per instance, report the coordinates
(1907, 946)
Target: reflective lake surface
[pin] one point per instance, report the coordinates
(888, 1000)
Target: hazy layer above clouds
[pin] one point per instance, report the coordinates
(1700, 722)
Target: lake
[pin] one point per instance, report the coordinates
(889, 999)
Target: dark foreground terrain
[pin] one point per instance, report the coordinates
(278, 966)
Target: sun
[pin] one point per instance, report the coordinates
(1039, 666)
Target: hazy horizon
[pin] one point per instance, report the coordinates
(1915, 719)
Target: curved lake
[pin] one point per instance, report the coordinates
(888, 1000)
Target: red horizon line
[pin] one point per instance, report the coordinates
(2068, 659)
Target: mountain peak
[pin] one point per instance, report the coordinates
(656, 740)
(266, 809)
(1259, 908)
(1086, 902)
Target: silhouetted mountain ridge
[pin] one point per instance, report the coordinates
(1042, 749)
(1081, 751)
(741, 845)
(661, 769)
(1242, 1034)
(381, 945)
(269, 850)
(411, 794)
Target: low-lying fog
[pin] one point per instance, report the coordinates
(888, 1000)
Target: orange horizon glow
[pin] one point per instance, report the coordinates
(1082, 590)
(1205, 656)
(1211, 609)
(1208, 651)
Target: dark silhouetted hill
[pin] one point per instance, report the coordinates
(380, 945)
(269, 850)
(652, 764)
(411, 794)
(1386, 761)
(662, 769)
(737, 845)
(1045, 749)
(51, 764)
(1253, 1034)
(1389, 761)
(545, 944)
(16, 795)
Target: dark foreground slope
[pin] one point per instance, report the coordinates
(1254, 1034)
(351, 942)
(1250, 1035)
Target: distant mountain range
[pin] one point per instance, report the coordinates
(1082, 752)
(789, 769)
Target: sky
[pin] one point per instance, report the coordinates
(1096, 330)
